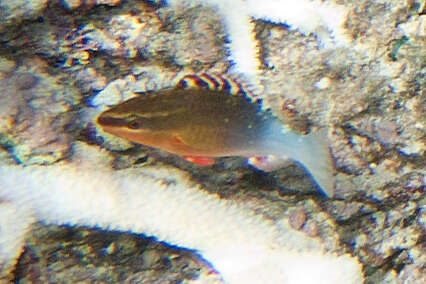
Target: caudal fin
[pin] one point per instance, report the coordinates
(311, 151)
(315, 156)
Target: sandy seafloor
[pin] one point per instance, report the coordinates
(61, 61)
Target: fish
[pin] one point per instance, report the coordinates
(208, 116)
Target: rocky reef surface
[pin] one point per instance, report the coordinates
(62, 62)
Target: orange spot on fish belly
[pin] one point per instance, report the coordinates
(202, 161)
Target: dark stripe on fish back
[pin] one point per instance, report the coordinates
(212, 80)
(192, 81)
(216, 82)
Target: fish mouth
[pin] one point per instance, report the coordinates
(107, 121)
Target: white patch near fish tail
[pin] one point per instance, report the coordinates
(268, 163)
(311, 151)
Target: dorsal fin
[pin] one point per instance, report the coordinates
(218, 83)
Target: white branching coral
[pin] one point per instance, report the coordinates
(324, 19)
(15, 222)
(242, 246)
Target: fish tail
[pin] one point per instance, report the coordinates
(311, 151)
(315, 156)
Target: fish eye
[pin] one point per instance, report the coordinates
(134, 124)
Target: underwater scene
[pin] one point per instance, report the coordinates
(212, 141)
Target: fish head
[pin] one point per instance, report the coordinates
(147, 120)
(166, 119)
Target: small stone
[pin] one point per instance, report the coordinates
(386, 131)
(150, 258)
(297, 218)
(310, 228)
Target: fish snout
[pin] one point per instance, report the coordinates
(108, 121)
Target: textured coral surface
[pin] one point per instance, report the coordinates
(62, 62)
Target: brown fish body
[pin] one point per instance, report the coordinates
(189, 122)
(200, 123)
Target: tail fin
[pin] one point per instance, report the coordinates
(311, 151)
(319, 162)
(314, 155)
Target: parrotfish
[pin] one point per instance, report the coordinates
(209, 116)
